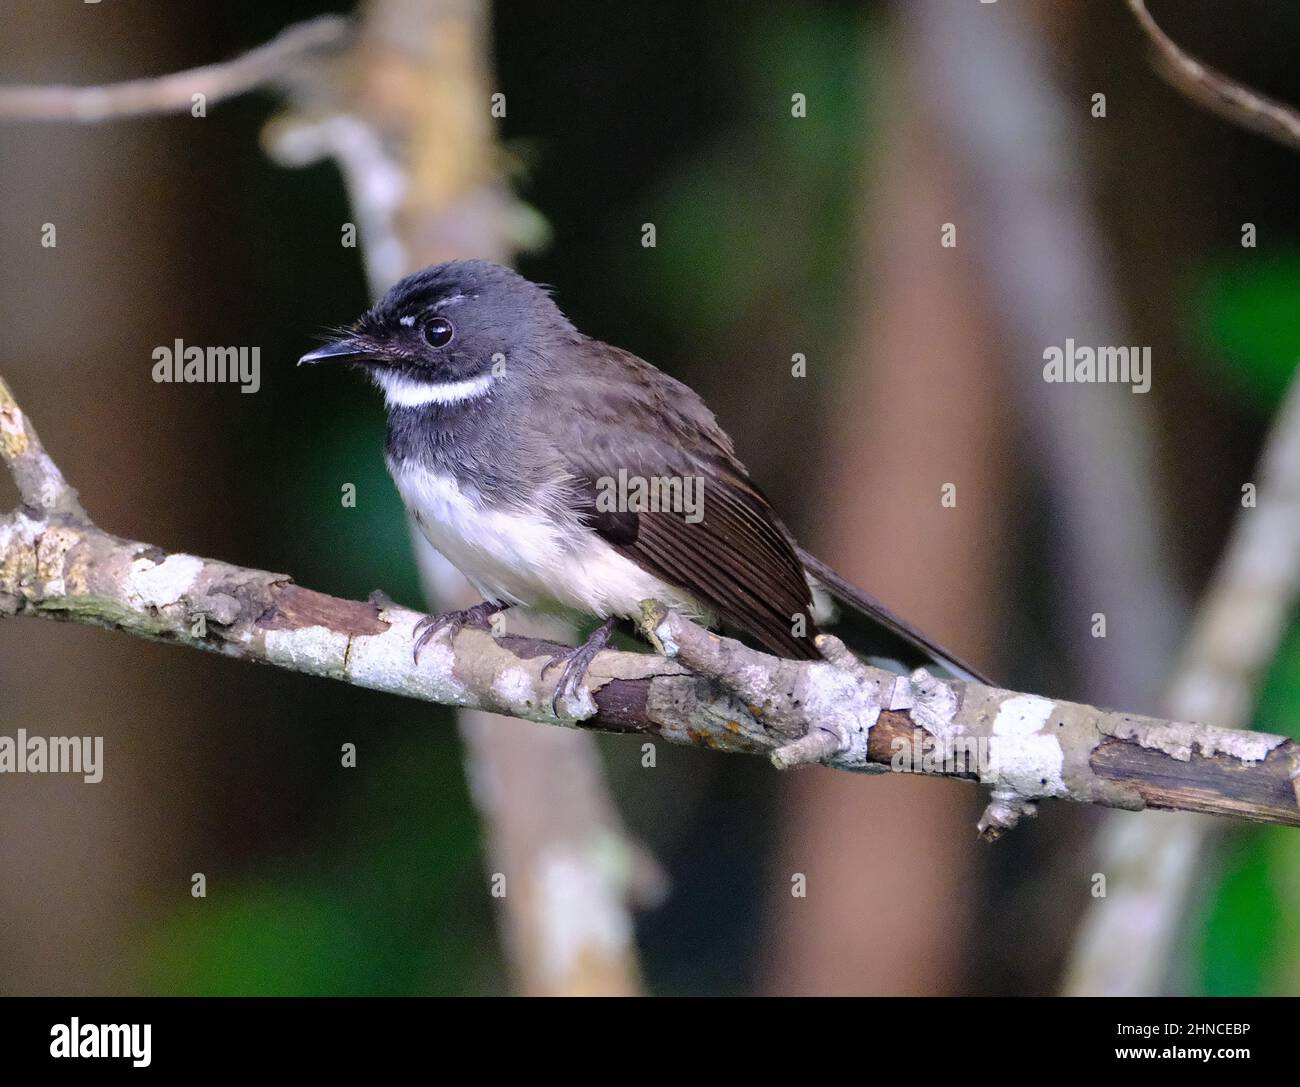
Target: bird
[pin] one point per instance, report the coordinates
(559, 472)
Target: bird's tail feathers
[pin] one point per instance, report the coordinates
(865, 637)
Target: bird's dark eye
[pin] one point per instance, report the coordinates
(439, 332)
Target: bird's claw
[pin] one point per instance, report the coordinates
(576, 662)
(477, 616)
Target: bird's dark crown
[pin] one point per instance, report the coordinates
(479, 282)
(452, 322)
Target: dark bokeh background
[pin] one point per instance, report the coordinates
(775, 236)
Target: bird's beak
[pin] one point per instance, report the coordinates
(348, 349)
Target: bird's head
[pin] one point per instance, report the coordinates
(447, 333)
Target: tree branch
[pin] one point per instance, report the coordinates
(717, 694)
(271, 64)
(41, 485)
(1217, 92)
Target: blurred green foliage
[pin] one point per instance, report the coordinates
(373, 909)
(1247, 313)
(1250, 945)
(766, 211)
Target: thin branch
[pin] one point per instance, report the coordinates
(718, 694)
(41, 485)
(1216, 91)
(266, 65)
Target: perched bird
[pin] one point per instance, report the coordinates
(557, 471)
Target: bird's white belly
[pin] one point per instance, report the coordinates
(527, 558)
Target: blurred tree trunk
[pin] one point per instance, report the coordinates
(888, 860)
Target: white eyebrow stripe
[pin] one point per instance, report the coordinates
(409, 320)
(403, 392)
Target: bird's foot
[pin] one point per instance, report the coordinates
(479, 615)
(576, 662)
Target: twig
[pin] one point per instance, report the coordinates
(41, 485)
(1216, 91)
(717, 694)
(269, 64)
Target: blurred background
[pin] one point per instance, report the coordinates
(776, 235)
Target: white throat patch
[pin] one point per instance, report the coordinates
(404, 392)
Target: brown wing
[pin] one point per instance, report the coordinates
(621, 413)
